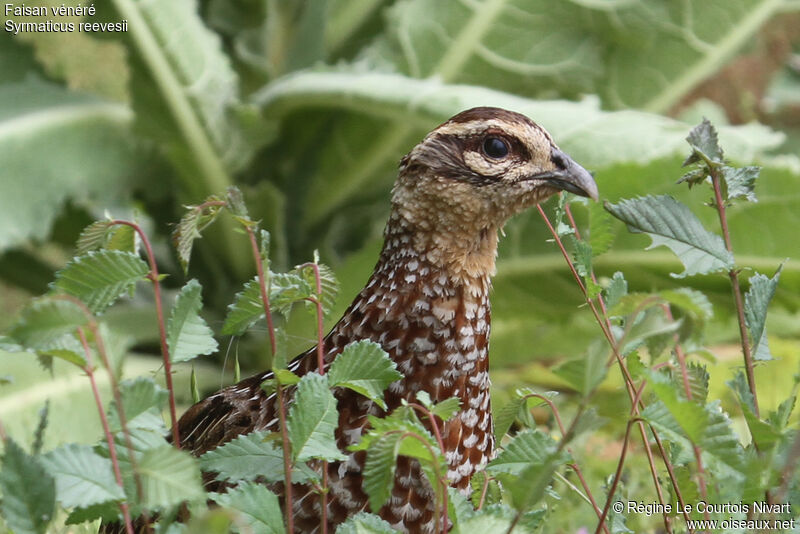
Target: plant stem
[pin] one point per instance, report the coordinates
(112, 449)
(321, 369)
(153, 276)
(733, 274)
(439, 441)
(263, 287)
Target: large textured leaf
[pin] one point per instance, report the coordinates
(57, 145)
(28, 490)
(48, 324)
(258, 506)
(83, 478)
(365, 368)
(100, 277)
(670, 223)
(188, 334)
(534, 47)
(380, 466)
(312, 420)
(246, 309)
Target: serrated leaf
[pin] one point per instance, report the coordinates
(698, 382)
(687, 422)
(531, 447)
(83, 478)
(92, 237)
(447, 408)
(286, 289)
(107, 511)
(364, 523)
(584, 374)
(740, 182)
(29, 492)
(193, 222)
(246, 309)
(188, 335)
(756, 303)
(379, 467)
(601, 234)
(313, 419)
(142, 400)
(251, 456)
(505, 417)
(366, 368)
(672, 224)
(258, 506)
(122, 237)
(169, 477)
(328, 284)
(100, 277)
(617, 288)
(705, 144)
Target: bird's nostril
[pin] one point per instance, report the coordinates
(559, 160)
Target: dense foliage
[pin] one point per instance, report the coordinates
(307, 107)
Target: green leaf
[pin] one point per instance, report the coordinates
(366, 368)
(380, 466)
(328, 284)
(740, 182)
(169, 477)
(193, 222)
(258, 506)
(704, 425)
(142, 400)
(91, 155)
(286, 289)
(246, 310)
(47, 324)
(83, 478)
(601, 234)
(364, 523)
(698, 382)
(756, 303)
(447, 408)
(617, 288)
(29, 492)
(313, 419)
(670, 223)
(530, 447)
(93, 237)
(585, 373)
(251, 456)
(705, 144)
(100, 277)
(188, 335)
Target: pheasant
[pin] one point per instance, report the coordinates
(426, 304)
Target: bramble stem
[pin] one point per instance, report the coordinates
(440, 442)
(321, 369)
(287, 451)
(153, 276)
(733, 274)
(112, 449)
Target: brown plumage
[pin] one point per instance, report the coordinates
(426, 304)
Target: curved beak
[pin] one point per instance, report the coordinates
(569, 176)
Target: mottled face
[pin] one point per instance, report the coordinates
(487, 164)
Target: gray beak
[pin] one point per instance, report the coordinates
(570, 176)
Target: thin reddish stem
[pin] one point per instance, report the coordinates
(263, 287)
(438, 434)
(484, 490)
(153, 276)
(287, 461)
(321, 369)
(112, 449)
(733, 274)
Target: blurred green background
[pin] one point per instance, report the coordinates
(308, 106)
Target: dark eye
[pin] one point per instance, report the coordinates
(495, 148)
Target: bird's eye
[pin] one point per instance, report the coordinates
(495, 148)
